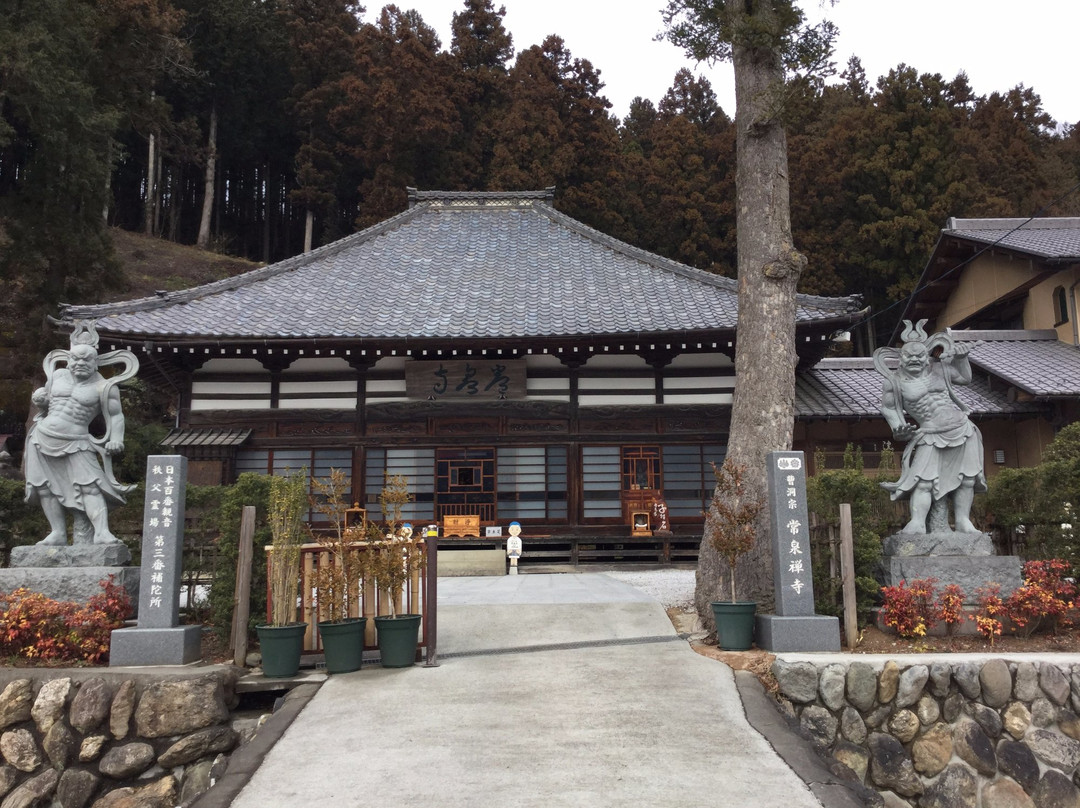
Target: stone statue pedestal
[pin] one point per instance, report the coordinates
(945, 543)
(965, 559)
(74, 572)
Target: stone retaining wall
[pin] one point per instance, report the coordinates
(90, 739)
(990, 734)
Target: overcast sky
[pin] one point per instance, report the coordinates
(998, 44)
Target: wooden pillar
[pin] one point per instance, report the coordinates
(659, 359)
(275, 363)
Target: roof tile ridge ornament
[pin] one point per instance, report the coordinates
(69, 311)
(957, 224)
(479, 198)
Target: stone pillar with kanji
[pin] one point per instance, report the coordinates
(159, 639)
(795, 626)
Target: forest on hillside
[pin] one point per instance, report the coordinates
(244, 125)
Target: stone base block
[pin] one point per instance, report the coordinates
(938, 544)
(472, 562)
(74, 555)
(968, 572)
(816, 632)
(155, 646)
(70, 583)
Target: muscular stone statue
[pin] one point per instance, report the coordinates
(943, 460)
(68, 468)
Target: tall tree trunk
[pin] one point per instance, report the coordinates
(108, 184)
(159, 174)
(176, 181)
(151, 186)
(208, 186)
(309, 225)
(762, 416)
(267, 195)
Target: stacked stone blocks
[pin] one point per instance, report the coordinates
(113, 742)
(993, 734)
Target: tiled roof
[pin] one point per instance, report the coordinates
(206, 437)
(454, 266)
(851, 388)
(1052, 239)
(1033, 361)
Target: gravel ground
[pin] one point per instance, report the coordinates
(673, 588)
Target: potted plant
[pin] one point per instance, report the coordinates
(282, 640)
(339, 585)
(393, 562)
(729, 526)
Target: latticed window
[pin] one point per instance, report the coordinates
(499, 485)
(317, 462)
(417, 466)
(532, 483)
(688, 478)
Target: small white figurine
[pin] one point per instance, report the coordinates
(513, 546)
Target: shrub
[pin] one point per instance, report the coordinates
(991, 609)
(950, 607)
(46, 630)
(729, 523)
(288, 502)
(1045, 598)
(1038, 502)
(393, 561)
(249, 489)
(20, 523)
(339, 586)
(910, 610)
(871, 517)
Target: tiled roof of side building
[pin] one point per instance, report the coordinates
(851, 388)
(1053, 239)
(455, 266)
(1033, 361)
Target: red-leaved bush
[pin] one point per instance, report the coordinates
(38, 628)
(910, 608)
(950, 607)
(1046, 597)
(988, 620)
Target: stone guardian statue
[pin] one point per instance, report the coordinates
(67, 468)
(942, 463)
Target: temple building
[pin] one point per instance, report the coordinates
(511, 362)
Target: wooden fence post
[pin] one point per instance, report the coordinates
(242, 591)
(847, 565)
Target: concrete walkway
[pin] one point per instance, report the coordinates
(552, 690)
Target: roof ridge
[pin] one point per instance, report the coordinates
(481, 197)
(1030, 223)
(237, 281)
(844, 363)
(1005, 334)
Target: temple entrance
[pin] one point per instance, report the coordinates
(641, 479)
(465, 483)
